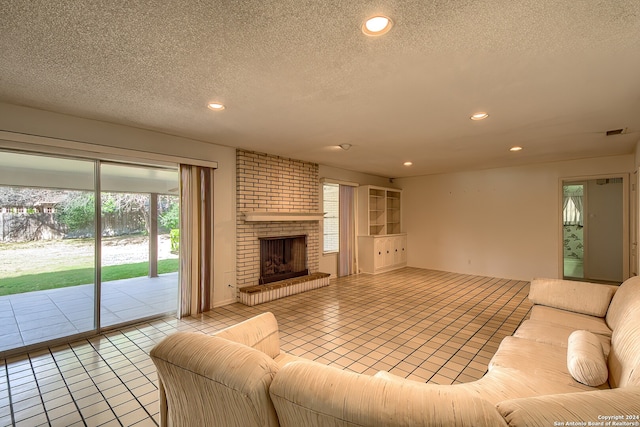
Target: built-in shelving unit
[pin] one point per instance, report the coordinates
(380, 211)
(393, 212)
(376, 212)
(381, 244)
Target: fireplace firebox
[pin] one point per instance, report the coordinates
(282, 258)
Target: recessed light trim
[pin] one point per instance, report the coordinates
(515, 148)
(479, 116)
(377, 25)
(408, 163)
(215, 106)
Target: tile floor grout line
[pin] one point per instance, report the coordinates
(94, 383)
(64, 379)
(6, 369)
(462, 345)
(508, 317)
(525, 284)
(46, 414)
(124, 383)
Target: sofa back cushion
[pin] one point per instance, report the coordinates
(624, 357)
(580, 297)
(259, 332)
(207, 380)
(626, 298)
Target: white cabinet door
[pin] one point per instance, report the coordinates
(397, 250)
(379, 253)
(388, 252)
(382, 253)
(403, 249)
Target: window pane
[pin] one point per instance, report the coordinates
(139, 269)
(47, 248)
(331, 224)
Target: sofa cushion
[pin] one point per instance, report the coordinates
(312, 395)
(580, 408)
(580, 297)
(207, 380)
(502, 383)
(585, 359)
(544, 363)
(259, 332)
(554, 334)
(624, 359)
(569, 319)
(627, 297)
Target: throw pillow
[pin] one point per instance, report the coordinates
(585, 359)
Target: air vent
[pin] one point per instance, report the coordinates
(615, 132)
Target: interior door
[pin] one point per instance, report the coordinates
(595, 229)
(574, 224)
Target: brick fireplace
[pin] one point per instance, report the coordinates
(274, 196)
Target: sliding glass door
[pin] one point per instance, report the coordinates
(47, 248)
(139, 268)
(53, 261)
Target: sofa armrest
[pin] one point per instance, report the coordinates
(584, 407)
(580, 297)
(259, 332)
(205, 380)
(312, 394)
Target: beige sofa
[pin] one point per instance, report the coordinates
(239, 377)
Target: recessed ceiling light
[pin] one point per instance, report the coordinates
(516, 148)
(407, 163)
(215, 106)
(345, 147)
(479, 116)
(377, 25)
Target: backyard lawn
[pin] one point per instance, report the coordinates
(32, 266)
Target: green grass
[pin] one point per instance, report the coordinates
(80, 276)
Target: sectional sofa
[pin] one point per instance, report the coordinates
(575, 361)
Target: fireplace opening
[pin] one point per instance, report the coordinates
(282, 258)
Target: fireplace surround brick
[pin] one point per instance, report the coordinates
(268, 183)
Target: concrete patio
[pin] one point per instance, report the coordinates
(39, 316)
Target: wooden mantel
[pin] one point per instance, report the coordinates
(282, 216)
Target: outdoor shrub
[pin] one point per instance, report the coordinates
(174, 237)
(77, 212)
(170, 219)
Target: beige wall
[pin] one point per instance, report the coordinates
(24, 120)
(498, 222)
(329, 173)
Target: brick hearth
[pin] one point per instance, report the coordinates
(254, 295)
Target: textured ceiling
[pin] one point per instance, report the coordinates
(299, 77)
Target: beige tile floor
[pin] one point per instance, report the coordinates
(426, 325)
